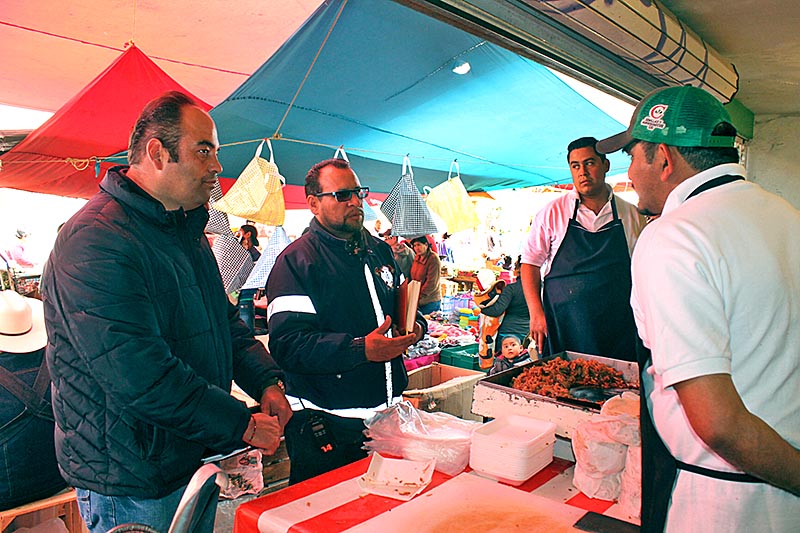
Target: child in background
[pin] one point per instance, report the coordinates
(512, 354)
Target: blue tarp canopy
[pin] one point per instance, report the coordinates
(383, 87)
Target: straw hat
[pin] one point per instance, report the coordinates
(21, 323)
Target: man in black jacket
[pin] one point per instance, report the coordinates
(331, 295)
(142, 341)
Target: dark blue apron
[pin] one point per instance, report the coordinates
(659, 467)
(586, 294)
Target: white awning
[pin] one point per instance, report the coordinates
(632, 47)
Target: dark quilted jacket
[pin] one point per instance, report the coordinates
(142, 346)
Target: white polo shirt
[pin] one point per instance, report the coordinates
(716, 290)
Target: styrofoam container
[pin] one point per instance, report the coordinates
(515, 434)
(512, 448)
(400, 479)
(513, 473)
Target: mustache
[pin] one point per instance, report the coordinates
(647, 213)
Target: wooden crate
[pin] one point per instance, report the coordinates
(276, 469)
(63, 505)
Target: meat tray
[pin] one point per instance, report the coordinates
(494, 396)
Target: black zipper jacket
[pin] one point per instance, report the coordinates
(320, 312)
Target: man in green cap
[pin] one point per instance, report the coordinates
(716, 299)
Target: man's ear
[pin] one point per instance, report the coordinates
(313, 203)
(666, 159)
(156, 153)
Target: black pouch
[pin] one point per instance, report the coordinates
(320, 433)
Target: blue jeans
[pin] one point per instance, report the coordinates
(101, 513)
(28, 468)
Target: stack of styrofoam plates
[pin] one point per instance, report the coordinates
(512, 449)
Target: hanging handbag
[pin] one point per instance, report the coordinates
(218, 222)
(406, 209)
(234, 262)
(452, 203)
(258, 276)
(258, 192)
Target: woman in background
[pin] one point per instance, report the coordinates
(425, 269)
(511, 301)
(248, 236)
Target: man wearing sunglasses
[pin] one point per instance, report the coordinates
(331, 299)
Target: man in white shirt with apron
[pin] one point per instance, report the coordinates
(582, 243)
(716, 298)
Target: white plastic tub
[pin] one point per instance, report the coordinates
(515, 434)
(512, 449)
(513, 472)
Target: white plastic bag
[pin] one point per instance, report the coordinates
(601, 447)
(630, 492)
(404, 431)
(602, 487)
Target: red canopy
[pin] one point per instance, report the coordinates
(96, 123)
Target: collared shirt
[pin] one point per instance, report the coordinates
(550, 225)
(715, 291)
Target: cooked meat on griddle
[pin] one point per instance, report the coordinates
(555, 377)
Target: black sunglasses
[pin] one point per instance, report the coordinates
(344, 195)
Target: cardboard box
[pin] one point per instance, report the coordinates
(494, 397)
(443, 388)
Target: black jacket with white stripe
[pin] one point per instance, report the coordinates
(321, 310)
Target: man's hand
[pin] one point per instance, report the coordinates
(538, 329)
(274, 403)
(418, 332)
(531, 276)
(263, 432)
(380, 348)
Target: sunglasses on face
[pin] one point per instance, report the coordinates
(344, 195)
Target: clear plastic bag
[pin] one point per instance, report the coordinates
(406, 432)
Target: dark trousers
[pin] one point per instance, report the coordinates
(310, 433)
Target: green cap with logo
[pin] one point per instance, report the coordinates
(676, 116)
